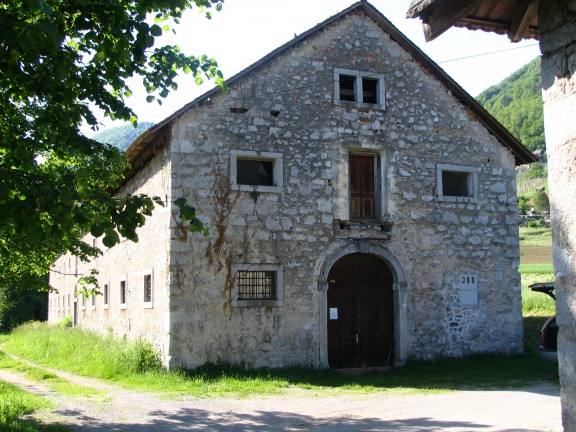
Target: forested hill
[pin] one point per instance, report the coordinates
(517, 103)
(122, 136)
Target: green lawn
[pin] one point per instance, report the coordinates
(16, 403)
(536, 266)
(51, 345)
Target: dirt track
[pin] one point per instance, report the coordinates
(535, 408)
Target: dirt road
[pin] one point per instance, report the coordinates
(535, 408)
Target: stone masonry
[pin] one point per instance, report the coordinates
(558, 45)
(285, 109)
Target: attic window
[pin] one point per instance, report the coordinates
(256, 171)
(456, 183)
(357, 88)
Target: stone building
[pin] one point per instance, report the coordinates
(361, 209)
(553, 22)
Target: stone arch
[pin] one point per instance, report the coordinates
(400, 304)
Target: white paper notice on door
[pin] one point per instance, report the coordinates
(333, 313)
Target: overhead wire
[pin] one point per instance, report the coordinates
(368, 75)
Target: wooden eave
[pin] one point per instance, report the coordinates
(516, 18)
(146, 145)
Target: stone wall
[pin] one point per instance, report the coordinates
(558, 45)
(287, 107)
(127, 261)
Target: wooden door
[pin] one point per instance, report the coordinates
(360, 313)
(362, 202)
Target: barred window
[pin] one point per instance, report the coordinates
(257, 285)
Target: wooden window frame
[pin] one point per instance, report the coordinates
(359, 78)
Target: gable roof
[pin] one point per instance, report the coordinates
(143, 148)
(517, 19)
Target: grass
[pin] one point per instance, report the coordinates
(536, 266)
(222, 381)
(53, 381)
(535, 237)
(15, 403)
(136, 366)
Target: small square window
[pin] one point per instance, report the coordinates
(258, 285)
(358, 88)
(256, 171)
(147, 288)
(456, 183)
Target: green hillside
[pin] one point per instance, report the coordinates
(122, 136)
(517, 103)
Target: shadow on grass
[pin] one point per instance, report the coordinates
(476, 372)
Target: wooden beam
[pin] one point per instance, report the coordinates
(525, 14)
(445, 16)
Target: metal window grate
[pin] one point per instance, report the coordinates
(256, 285)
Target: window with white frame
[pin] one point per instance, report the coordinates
(359, 88)
(106, 295)
(457, 183)
(147, 288)
(257, 171)
(258, 285)
(83, 300)
(123, 293)
(93, 302)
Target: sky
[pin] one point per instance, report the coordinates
(246, 30)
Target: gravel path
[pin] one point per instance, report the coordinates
(534, 408)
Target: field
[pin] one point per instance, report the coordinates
(536, 266)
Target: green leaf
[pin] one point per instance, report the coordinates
(26, 41)
(39, 7)
(156, 30)
(97, 230)
(100, 56)
(150, 98)
(149, 41)
(110, 239)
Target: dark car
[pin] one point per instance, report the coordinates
(548, 350)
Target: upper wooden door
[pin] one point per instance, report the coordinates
(360, 313)
(362, 197)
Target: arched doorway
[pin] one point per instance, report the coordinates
(360, 312)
